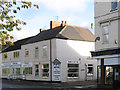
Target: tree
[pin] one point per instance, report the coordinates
(8, 19)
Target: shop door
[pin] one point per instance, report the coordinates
(117, 73)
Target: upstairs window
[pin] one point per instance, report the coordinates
(105, 34)
(16, 54)
(26, 53)
(44, 51)
(36, 52)
(114, 5)
(5, 56)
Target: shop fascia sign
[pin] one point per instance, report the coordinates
(27, 64)
(16, 63)
(6, 64)
(73, 62)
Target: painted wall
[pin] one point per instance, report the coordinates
(103, 15)
(71, 50)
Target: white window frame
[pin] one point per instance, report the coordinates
(16, 54)
(26, 50)
(36, 69)
(36, 52)
(43, 68)
(114, 3)
(90, 66)
(72, 72)
(45, 50)
(105, 34)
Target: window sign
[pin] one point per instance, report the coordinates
(56, 72)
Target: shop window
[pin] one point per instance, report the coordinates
(90, 69)
(36, 52)
(17, 71)
(45, 70)
(16, 54)
(73, 70)
(27, 70)
(5, 56)
(44, 51)
(5, 71)
(114, 5)
(99, 74)
(36, 70)
(26, 53)
(105, 34)
(117, 74)
(108, 75)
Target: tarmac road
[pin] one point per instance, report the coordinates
(32, 85)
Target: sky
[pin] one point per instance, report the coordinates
(75, 12)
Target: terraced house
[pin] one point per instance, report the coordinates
(61, 53)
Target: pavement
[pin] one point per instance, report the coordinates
(28, 85)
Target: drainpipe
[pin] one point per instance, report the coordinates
(50, 60)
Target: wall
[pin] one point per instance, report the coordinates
(103, 16)
(71, 50)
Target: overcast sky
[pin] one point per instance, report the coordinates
(75, 12)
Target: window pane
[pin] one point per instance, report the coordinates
(114, 5)
(45, 51)
(73, 70)
(36, 70)
(36, 52)
(45, 70)
(109, 75)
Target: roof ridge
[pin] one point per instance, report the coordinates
(78, 26)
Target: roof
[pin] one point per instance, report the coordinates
(17, 45)
(65, 32)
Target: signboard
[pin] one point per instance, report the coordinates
(73, 62)
(6, 65)
(56, 72)
(27, 64)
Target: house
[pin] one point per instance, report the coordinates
(107, 42)
(61, 53)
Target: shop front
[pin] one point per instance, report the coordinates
(6, 69)
(108, 68)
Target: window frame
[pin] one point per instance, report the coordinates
(77, 68)
(37, 53)
(16, 54)
(26, 51)
(44, 50)
(104, 34)
(115, 2)
(90, 66)
(47, 73)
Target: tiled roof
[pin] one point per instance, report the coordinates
(65, 32)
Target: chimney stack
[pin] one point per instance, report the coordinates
(64, 23)
(54, 24)
(42, 30)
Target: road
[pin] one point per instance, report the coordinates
(30, 85)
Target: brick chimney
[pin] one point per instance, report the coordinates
(64, 23)
(54, 24)
(42, 30)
